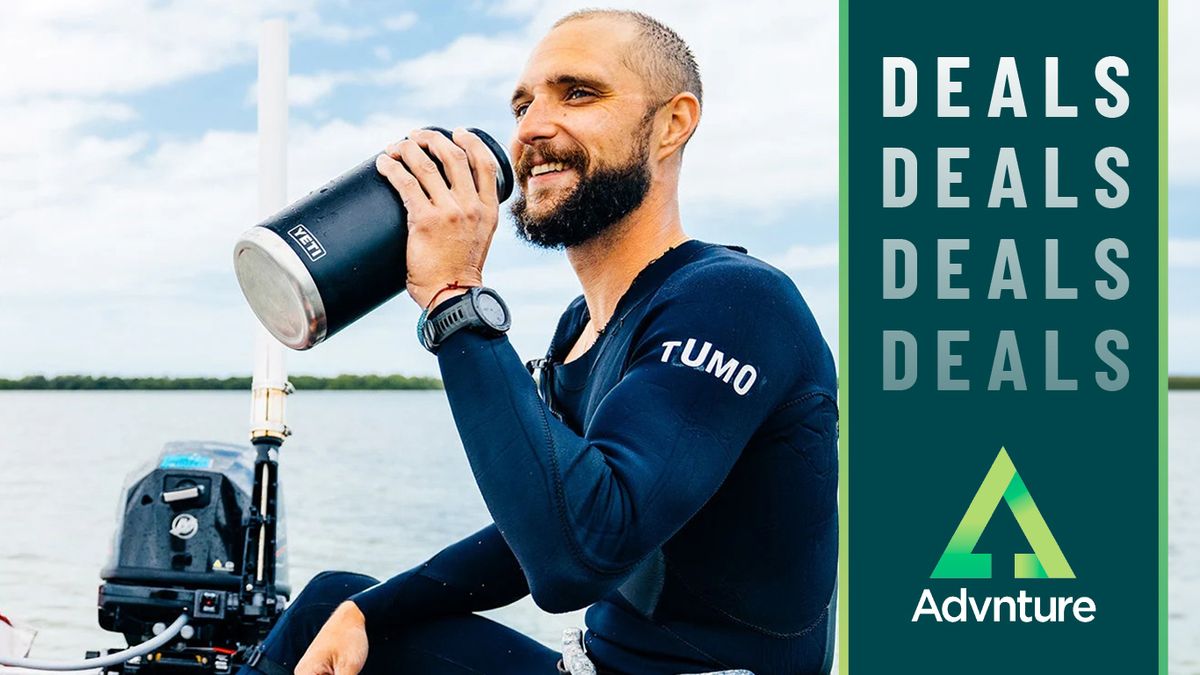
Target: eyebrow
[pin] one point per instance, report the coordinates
(560, 81)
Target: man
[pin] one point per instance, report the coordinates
(678, 473)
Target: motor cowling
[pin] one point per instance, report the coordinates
(179, 543)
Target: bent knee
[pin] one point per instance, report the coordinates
(334, 587)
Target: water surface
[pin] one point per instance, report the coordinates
(375, 482)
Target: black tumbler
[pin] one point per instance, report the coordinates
(327, 260)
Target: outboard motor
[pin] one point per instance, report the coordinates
(187, 530)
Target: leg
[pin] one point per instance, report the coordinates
(303, 619)
(452, 645)
(459, 645)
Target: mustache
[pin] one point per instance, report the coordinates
(572, 158)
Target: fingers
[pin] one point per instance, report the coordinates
(483, 163)
(320, 659)
(453, 158)
(417, 163)
(411, 193)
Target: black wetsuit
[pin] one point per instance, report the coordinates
(682, 480)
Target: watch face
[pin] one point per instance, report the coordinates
(491, 311)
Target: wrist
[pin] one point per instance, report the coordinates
(428, 296)
(439, 298)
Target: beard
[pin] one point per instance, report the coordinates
(600, 199)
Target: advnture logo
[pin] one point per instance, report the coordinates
(960, 561)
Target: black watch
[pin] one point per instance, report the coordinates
(480, 309)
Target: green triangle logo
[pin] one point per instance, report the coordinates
(1002, 481)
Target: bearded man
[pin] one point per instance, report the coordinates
(674, 467)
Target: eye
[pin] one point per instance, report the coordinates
(578, 92)
(519, 110)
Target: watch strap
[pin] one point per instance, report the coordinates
(444, 323)
(451, 316)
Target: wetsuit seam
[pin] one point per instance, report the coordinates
(742, 622)
(648, 298)
(719, 663)
(620, 320)
(797, 450)
(801, 399)
(715, 661)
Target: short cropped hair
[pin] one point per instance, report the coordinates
(662, 57)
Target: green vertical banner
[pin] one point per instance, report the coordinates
(1003, 337)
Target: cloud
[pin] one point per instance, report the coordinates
(468, 69)
(168, 214)
(807, 257)
(768, 134)
(769, 131)
(127, 267)
(42, 145)
(308, 89)
(110, 47)
(1183, 108)
(1183, 253)
(122, 242)
(308, 23)
(400, 22)
(470, 66)
(305, 90)
(1183, 330)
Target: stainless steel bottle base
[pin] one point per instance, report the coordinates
(280, 289)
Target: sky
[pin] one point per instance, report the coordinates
(128, 161)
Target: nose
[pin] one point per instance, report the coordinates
(537, 124)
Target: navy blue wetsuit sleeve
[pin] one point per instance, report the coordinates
(473, 575)
(714, 354)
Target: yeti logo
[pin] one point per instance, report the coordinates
(185, 526)
(308, 242)
(712, 361)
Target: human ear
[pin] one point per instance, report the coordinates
(683, 114)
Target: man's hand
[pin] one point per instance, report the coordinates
(450, 227)
(341, 646)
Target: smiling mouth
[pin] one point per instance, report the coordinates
(548, 167)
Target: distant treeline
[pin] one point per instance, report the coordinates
(305, 382)
(1183, 382)
(301, 382)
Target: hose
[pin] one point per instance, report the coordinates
(102, 661)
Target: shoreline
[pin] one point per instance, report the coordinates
(1183, 382)
(345, 382)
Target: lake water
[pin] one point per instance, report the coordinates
(375, 482)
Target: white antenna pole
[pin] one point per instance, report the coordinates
(270, 384)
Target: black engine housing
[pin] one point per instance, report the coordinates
(180, 545)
